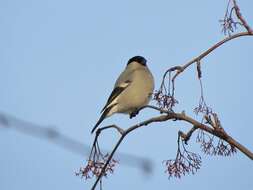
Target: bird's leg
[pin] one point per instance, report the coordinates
(134, 113)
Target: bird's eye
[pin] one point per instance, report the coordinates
(143, 62)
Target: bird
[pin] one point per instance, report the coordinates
(132, 90)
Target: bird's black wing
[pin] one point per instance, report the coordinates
(102, 117)
(116, 92)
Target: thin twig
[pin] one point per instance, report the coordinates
(207, 52)
(186, 137)
(240, 17)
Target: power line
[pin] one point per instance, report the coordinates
(54, 136)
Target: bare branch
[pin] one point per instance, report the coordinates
(165, 96)
(218, 133)
(240, 17)
(174, 117)
(186, 137)
(207, 52)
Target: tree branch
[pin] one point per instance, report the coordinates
(123, 135)
(176, 116)
(166, 101)
(216, 132)
(207, 52)
(240, 17)
(186, 137)
(249, 32)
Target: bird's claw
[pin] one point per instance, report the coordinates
(133, 114)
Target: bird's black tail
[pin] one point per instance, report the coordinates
(102, 117)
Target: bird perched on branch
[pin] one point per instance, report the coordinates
(132, 90)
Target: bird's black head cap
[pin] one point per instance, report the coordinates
(138, 59)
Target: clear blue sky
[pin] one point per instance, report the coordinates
(59, 60)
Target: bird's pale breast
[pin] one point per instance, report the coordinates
(138, 93)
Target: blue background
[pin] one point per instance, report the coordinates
(58, 64)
